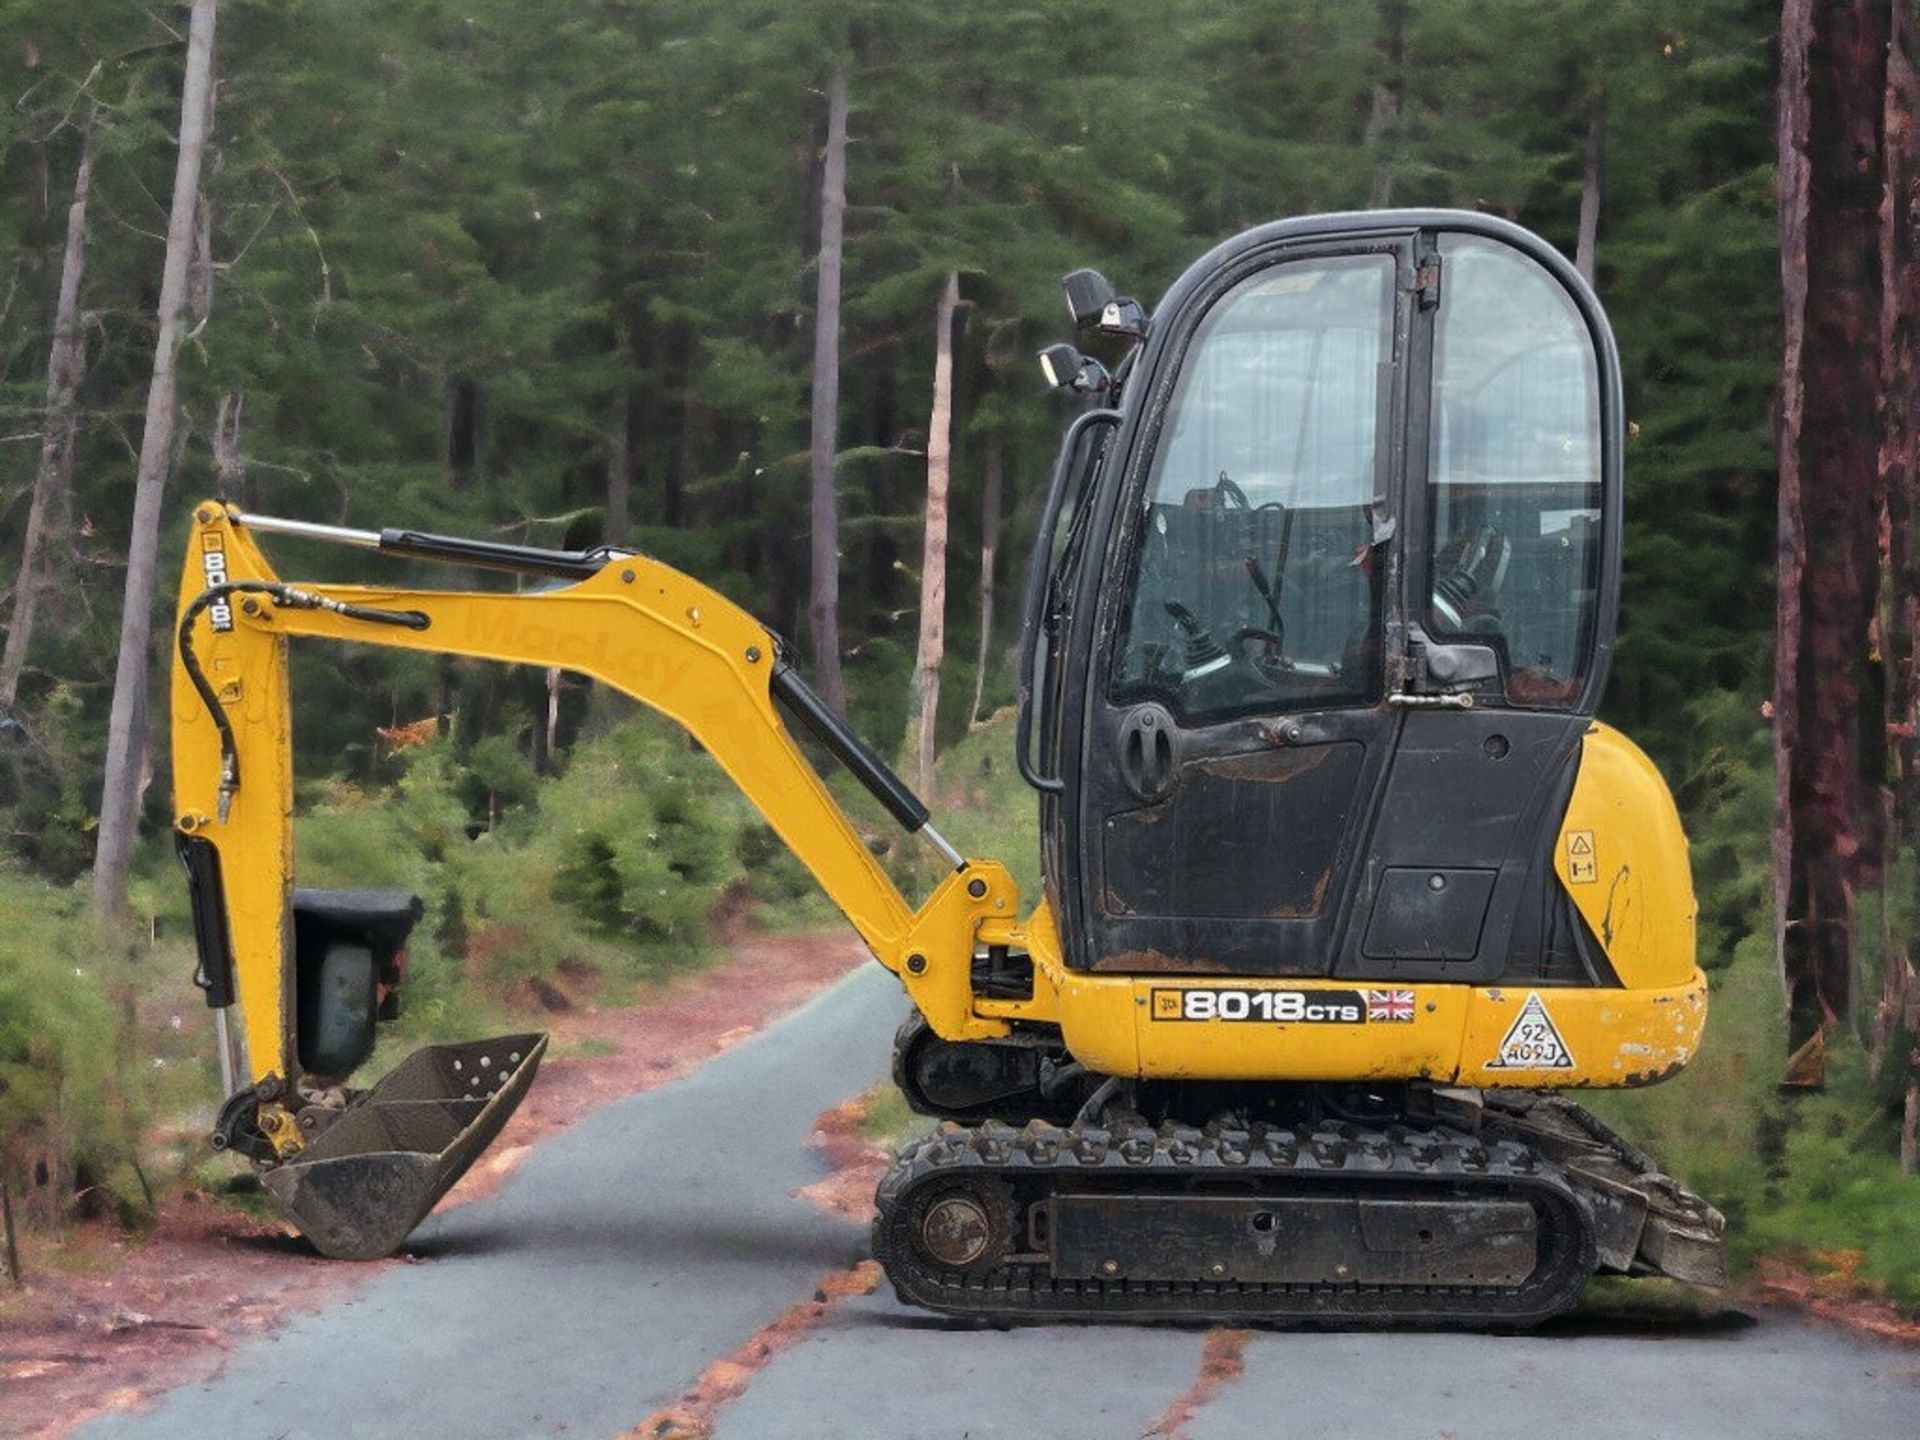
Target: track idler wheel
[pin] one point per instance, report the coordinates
(965, 1225)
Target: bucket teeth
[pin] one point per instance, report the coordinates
(360, 1187)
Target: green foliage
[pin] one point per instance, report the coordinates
(497, 776)
(886, 1119)
(63, 1090)
(1838, 1187)
(645, 839)
(1791, 1172)
(467, 255)
(613, 870)
(985, 808)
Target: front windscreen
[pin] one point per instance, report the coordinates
(1254, 584)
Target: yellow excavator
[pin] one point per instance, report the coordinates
(1344, 884)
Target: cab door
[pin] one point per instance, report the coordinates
(1236, 725)
(1347, 629)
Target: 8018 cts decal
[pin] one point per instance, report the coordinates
(1306, 1007)
(1298, 1007)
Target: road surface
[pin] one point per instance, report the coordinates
(661, 1233)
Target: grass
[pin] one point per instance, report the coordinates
(981, 804)
(885, 1118)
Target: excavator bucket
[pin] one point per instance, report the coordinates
(360, 1187)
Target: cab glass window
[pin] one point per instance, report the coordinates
(1514, 480)
(1254, 584)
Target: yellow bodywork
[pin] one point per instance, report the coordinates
(677, 646)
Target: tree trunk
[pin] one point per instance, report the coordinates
(1899, 1008)
(1593, 167)
(1910, 1119)
(1826, 828)
(6, 1221)
(933, 552)
(1383, 118)
(200, 274)
(551, 765)
(229, 470)
(989, 549)
(680, 395)
(823, 604)
(124, 742)
(461, 403)
(66, 364)
(620, 471)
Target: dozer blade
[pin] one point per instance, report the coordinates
(1645, 1222)
(360, 1187)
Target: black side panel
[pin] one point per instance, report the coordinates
(1474, 797)
(382, 919)
(1552, 943)
(1434, 914)
(1254, 836)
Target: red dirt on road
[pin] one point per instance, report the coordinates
(693, 1415)
(1223, 1360)
(109, 1321)
(858, 1162)
(1825, 1286)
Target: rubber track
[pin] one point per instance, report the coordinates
(1396, 1160)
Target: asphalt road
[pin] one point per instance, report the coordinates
(661, 1233)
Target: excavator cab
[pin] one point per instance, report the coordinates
(1344, 883)
(1335, 612)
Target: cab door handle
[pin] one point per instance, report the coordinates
(1149, 760)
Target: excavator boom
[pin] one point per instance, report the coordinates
(299, 964)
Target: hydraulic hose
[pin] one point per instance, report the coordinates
(292, 599)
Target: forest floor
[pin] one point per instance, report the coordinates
(107, 1320)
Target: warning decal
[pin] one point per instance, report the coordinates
(1532, 1042)
(1582, 866)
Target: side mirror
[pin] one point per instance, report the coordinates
(1098, 306)
(1088, 295)
(1067, 369)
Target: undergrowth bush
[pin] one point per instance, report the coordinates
(612, 871)
(70, 1111)
(611, 875)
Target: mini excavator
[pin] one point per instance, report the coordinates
(1344, 885)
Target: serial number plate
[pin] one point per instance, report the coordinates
(1300, 1007)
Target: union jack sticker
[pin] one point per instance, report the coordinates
(1394, 1006)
